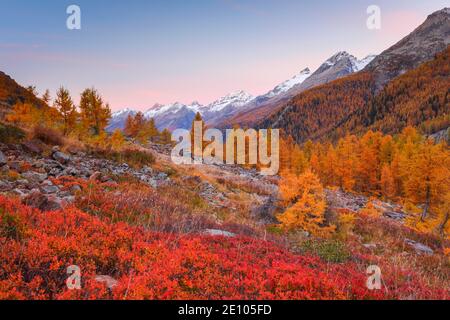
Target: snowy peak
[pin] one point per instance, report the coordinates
(123, 112)
(118, 119)
(288, 84)
(171, 108)
(359, 65)
(235, 99)
(345, 58)
(341, 55)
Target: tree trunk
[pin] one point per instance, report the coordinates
(442, 226)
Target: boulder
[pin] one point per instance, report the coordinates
(221, 233)
(109, 281)
(48, 187)
(61, 157)
(37, 199)
(75, 188)
(419, 247)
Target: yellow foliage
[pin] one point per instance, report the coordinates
(117, 140)
(346, 223)
(306, 198)
(370, 210)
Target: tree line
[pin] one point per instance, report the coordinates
(407, 168)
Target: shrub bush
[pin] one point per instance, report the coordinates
(11, 134)
(154, 265)
(132, 156)
(329, 250)
(48, 136)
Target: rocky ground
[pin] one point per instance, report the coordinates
(26, 171)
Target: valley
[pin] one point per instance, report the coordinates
(360, 188)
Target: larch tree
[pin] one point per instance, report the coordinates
(117, 139)
(305, 199)
(387, 183)
(46, 97)
(95, 113)
(66, 109)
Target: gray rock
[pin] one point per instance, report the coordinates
(75, 188)
(22, 182)
(3, 160)
(395, 215)
(419, 247)
(4, 168)
(161, 176)
(61, 157)
(5, 186)
(48, 187)
(146, 170)
(34, 177)
(69, 199)
(109, 281)
(19, 192)
(221, 233)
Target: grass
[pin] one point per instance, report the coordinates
(132, 156)
(333, 251)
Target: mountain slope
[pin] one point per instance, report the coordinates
(418, 97)
(421, 45)
(339, 65)
(226, 107)
(333, 109)
(11, 93)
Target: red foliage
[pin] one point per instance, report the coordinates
(36, 248)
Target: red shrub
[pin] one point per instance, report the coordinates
(151, 265)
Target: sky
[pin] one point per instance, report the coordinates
(141, 52)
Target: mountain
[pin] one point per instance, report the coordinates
(173, 116)
(421, 45)
(11, 93)
(118, 119)
(178, 115)
(339, 65)
(395, 87)
(225, 107)
(285, 86)
(240, 103)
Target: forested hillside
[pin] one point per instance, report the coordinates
(419, 97)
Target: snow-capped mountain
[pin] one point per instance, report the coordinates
(179, 115)
(337, 66)
(235, 99)
(288, 84)
(358, 65)
(172, 108)
(118, 119)
(226, 106)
